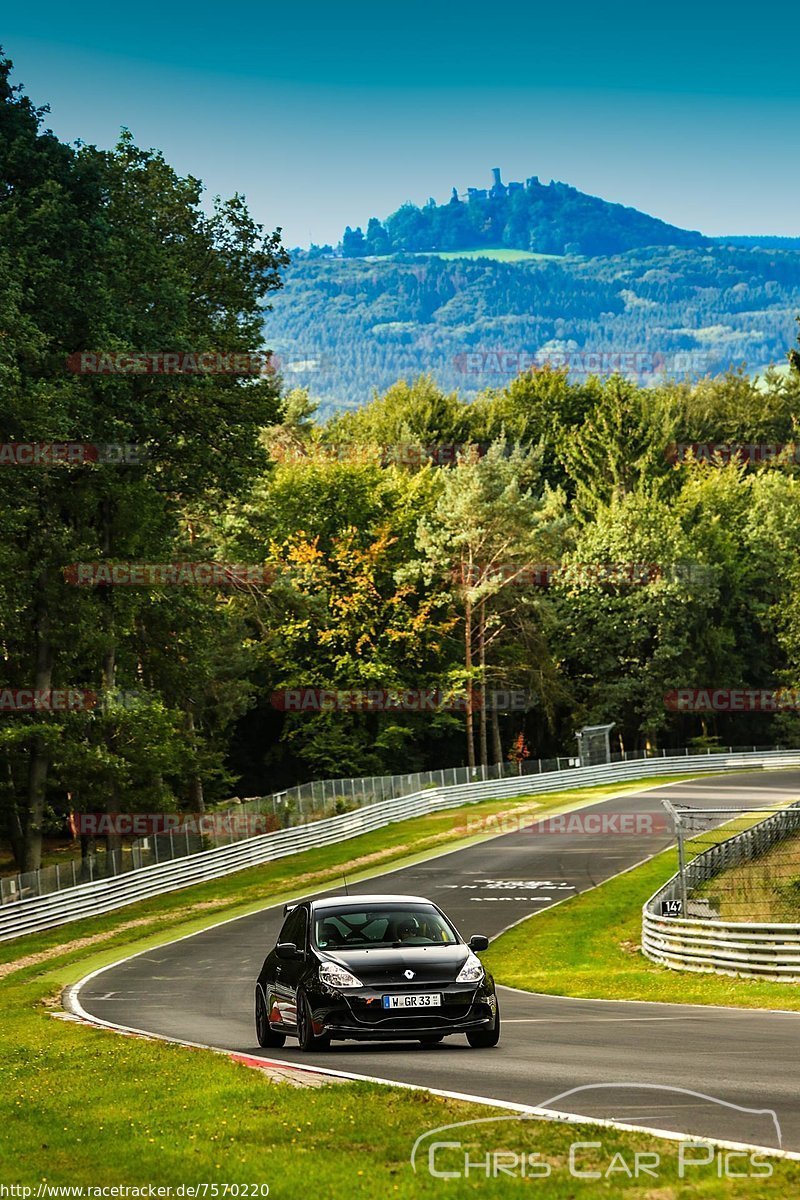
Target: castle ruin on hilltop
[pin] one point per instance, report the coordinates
(497, 189)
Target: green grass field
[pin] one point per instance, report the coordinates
(497, 255)
(83, 1106)
(88, 1107)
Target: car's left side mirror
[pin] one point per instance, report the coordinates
(478, 941)
(288, 951)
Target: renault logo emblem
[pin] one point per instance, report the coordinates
(408, 974)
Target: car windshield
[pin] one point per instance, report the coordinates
(362, 928)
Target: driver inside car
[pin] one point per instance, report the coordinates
(406, 929)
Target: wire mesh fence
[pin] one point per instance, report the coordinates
(738, 865)
(258, 815)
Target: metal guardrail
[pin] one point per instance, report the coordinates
(297, 805)
(254, 815)
(694, 942)
(748, 950)
(27, 915)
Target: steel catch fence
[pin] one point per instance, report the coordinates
(740, 869)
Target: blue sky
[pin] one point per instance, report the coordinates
(324, 115)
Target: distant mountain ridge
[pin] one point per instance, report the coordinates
(346, 327)
(552, 218)
(520, 274)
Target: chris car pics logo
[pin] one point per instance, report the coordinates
(491, 1148)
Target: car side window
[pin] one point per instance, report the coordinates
(301, 932)
(294, 928)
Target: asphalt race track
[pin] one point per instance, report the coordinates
(201, 990)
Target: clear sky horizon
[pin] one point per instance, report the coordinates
(324, 117)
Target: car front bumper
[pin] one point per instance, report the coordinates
(361, 1016)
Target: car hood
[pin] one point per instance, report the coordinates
(429, 964)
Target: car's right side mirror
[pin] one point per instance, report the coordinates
(478, 941)
(288, 951)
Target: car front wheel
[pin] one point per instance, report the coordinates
(484, 1039)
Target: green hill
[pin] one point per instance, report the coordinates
(541, 218)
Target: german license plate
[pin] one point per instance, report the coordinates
(414, 1000)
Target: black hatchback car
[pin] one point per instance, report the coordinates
(374, 968)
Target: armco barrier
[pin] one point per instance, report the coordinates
(31, 914)
(754, 950)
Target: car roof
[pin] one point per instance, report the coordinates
(330, 902)
(338, 901)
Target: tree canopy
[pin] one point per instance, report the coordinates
(587, 547)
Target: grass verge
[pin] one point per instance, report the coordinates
(85, 1107)
(589, 946)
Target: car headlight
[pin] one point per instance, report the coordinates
(472, 970)
(336, 976)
